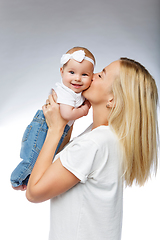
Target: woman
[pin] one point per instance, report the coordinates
(85, 181)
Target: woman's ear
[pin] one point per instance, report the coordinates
(110, 103)
(61, 71)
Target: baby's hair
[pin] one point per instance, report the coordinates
(87, 52)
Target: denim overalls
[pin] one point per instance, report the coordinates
(32, 143)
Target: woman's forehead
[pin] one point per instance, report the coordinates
(113, 67)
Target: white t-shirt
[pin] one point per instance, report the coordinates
(92, 209)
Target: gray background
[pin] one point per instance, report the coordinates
(33, 35)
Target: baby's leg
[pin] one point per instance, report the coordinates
(32, 143)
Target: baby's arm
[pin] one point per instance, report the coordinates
(71, 113)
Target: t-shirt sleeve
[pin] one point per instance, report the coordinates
(79, 158)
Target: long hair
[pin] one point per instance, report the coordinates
(134, 120)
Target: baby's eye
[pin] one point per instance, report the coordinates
(84, 74)
(99, 76)
(71, 72)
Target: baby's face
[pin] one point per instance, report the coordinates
(77, 76)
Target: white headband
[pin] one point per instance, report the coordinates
(79, 56)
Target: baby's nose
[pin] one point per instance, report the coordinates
(77, 77)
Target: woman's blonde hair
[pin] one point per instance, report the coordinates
(134, 119)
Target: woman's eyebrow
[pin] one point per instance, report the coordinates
(104, 70)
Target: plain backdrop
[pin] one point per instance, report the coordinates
(33, 35)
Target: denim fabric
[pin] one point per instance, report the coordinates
(32, 143)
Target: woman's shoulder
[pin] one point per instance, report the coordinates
(104, 131)
(102, 135)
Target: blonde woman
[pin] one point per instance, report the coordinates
(85, 180)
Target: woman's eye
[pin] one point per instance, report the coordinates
(71, 72)
(99, 75)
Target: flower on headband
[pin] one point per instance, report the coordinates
(78, 56)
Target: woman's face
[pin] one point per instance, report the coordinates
(100, 90)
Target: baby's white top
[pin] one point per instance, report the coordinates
(69, 97)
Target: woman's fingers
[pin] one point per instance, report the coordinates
(52, 113)
(52, 97)
(47, 103)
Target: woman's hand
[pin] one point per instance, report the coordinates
(52, 114)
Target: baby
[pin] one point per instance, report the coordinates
(76, 72)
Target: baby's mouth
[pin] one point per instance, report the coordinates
(76, 85)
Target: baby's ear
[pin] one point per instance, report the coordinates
(61, 71)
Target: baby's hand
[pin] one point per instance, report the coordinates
(86, 106)
(21, 187)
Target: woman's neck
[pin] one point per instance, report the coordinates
(100, 116)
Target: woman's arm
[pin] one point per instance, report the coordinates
(49, 179)
(66, 139)
(71, 113)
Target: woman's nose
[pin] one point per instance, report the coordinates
(94, 76)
